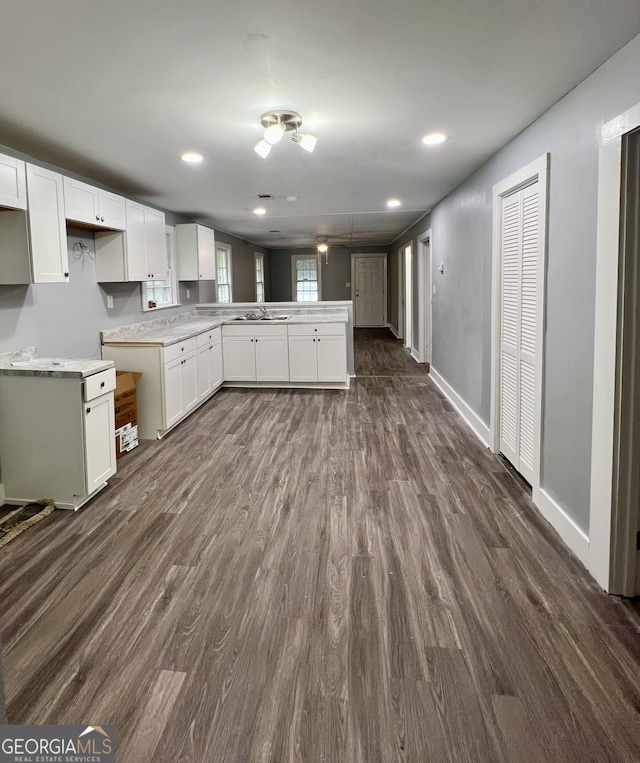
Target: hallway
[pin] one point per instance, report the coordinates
(347, 577)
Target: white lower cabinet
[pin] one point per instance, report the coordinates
(180, 388)
(57, 437)
(175, 379)
(209, 362)
(318, 353)
(255, 353)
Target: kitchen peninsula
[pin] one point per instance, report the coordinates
(184, 360)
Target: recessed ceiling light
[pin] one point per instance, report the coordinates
(394, 203)
(434, 138)
(191, 157)
(259, 211)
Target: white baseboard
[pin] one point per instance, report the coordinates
(393, 331)
(477, 425)
(574, 537)
(415, 356)
(2, 494)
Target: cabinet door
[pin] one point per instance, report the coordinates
(13, 183)
(189, 382)
(156, 245)
(204, 372)
(217, 375)
(47, 227)
(99, 441)
(238, 358)
(136, 239)
(303, 365)
(332, 358)
(173, 410)
(81, 202)
(206, 254)
(272, 358)
(112, 210)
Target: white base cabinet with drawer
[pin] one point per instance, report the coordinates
(57, 437)
(209, 363)
(318, 353)
(255, 353)
(172, 381)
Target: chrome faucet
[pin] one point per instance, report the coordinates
(263, 310)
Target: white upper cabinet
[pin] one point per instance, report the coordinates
(92, 206)
(196, 247)
(13, 184)
(137, 254)
(47, 227)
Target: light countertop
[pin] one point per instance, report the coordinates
(164, 332)
(25, 362)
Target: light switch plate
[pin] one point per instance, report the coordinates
(109, 300)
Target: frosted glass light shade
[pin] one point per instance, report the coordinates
(262, 148)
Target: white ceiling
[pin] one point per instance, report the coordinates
(117, 90)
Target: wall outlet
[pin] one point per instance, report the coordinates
(109, 300)
(348, 284)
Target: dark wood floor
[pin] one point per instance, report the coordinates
(320, 576)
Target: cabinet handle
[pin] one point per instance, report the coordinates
(102, 219)
(314, 339)
(97, 217)
(66, 275)
(102, 384)
(318, 338)
(88, 410)
(315, 329)
(211, 347)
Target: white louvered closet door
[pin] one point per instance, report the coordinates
(520, 252)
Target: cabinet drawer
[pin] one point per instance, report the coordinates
(180, 348)
(208, 336)
(317, 329)
(98, 384)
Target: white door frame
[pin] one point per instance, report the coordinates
(423, 266)
(613, 520)
(401, 293)
(408, 293)
(384, 280)
(538, 169)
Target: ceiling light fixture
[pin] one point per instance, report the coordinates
(259, 211)
(322, 246)
(276, 124)
(434, 138)
(191, 157)
(394, 203)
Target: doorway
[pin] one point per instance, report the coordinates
(519, 260)
(407, 261)
(423, 326)
(614, 519)
(369, 289)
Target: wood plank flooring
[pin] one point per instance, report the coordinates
(320, 576)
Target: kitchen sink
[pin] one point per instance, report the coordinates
(254, 317)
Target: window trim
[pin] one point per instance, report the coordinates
(259, 256)
(172, 257)
(229, 250)
(294, 281)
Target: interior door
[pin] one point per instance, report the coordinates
(370, 292)
(521, 247)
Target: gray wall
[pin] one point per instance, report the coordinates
(243, 266)
(462, 228)
(335, 270)
(66, 318)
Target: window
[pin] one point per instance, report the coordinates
(259, 265)
(159, 294)
(223, 269)
(306, 278)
